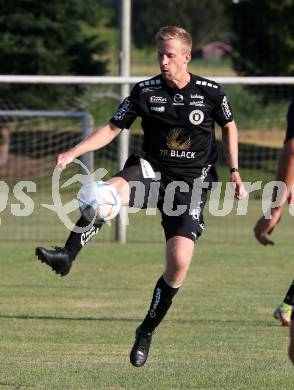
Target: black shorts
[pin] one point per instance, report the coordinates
(181, 205)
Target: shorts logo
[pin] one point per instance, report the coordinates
(196, 117)
(147, 170)
(195, 214)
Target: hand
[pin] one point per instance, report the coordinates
(240, 192)
(63, 159)
(265, 226)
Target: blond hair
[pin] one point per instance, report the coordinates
(174, 32)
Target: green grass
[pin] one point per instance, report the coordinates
(76, 332)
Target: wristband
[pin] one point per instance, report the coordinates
(234, 170)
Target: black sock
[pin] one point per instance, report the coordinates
(161, 301)
(76, 241)
(289, 297)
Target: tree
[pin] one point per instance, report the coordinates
(206, 21)
(263, 40)
(52, 38)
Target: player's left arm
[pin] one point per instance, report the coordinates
(230, 141)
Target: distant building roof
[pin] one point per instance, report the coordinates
(215, 50)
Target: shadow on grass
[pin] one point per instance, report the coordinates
(245, 322)
(32, 317)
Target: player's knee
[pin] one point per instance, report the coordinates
(177, 270)
(181, 265)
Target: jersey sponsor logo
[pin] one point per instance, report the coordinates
(183, 153)
(196, 96)
(158, 99)
(178, 100)
(206, 83)
(176, 141)
(177, 153)
(122, 110)
(197, 104)
(157, 108)
(178, 145)
(226, 108)
(196, 117)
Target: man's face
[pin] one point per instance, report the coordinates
(172, 59)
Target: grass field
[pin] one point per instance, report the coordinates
(76, 332)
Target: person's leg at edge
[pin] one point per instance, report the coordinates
(284, 311)
(60, 259)
(291, 344)
(179, 251)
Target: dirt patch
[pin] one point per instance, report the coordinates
(267, 138)
(24, 167)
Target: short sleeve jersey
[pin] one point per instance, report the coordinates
(290, 123)
(178, 124)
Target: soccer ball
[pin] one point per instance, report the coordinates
(99, 201)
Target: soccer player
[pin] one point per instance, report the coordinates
(178, 111)
(264, 226)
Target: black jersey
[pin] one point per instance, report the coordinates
(290, 123)
(178, 124)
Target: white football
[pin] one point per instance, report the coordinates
(99, 201)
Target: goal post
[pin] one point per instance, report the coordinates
(87, 124)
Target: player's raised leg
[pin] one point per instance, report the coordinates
(61, 259)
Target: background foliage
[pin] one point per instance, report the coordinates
(49, 38)
(78, 38)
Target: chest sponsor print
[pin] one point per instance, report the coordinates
(157, 108)
(178, 145)
(158, 99)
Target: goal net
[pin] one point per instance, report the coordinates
(31, 139)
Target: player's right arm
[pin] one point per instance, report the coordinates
(285, 174)
(128, 110)
(102, 136)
